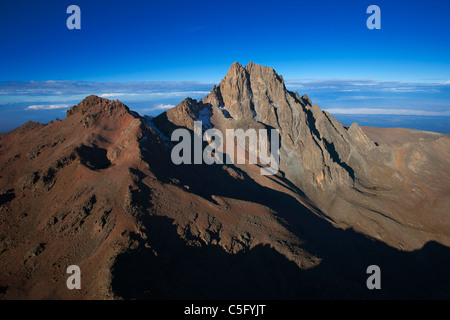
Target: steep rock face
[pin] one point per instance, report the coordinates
(345, 173)
(317, 153)
(99, 190)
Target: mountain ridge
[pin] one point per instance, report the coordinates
(98, 189)
(332, 164)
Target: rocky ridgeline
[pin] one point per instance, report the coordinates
(317, 153)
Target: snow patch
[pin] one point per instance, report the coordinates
(148, 122)
(204, 115)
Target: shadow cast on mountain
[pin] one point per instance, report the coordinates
(93, 157)
(311, 121)
(173, 269)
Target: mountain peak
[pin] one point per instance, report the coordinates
(243, 89)
(252, 67)
(257, 93)
(250, 64)
(235, 69)
(93, 105)
(101, 190)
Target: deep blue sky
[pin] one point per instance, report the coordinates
(198, 40)
(324, 44)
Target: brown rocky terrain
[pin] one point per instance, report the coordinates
(99, 190)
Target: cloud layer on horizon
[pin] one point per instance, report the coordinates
(366, 85)
(63, 87)
(64, 91)
(339, 96)
(161, 107)
(381, 111)
(47, 107)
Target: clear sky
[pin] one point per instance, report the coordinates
(197, 40)
(154, 41)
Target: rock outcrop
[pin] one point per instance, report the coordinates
(333, 165)
(99, 190)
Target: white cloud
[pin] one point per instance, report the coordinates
(47, 107)
(159, 107)
(380, 111)
(357, 94)
(368, 85)
(104, 89)
(163, 107)
(106, 95)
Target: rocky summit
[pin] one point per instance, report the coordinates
(99, 190)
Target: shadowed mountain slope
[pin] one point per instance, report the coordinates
(99, 190)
